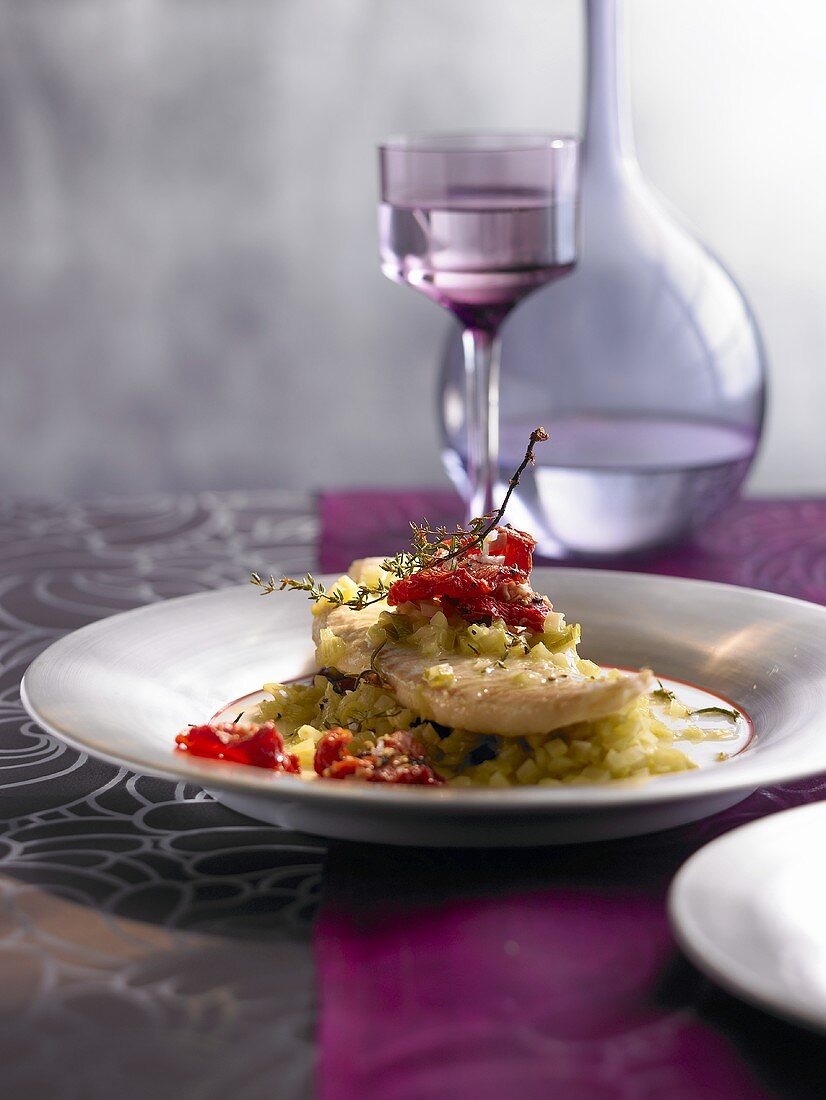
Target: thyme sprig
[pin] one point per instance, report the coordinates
(428, 547)
(732, 715)
(358, 719)
(663, 695)
(317, 590)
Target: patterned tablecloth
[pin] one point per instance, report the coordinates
(153, 943)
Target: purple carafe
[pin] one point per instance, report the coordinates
(645, 364)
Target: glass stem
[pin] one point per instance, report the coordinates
(481, 349)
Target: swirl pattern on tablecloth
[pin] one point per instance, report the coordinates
(152, 941)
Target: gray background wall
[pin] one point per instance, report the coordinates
(189, 293)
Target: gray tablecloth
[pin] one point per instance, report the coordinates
(152, 943)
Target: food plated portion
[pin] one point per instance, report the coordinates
(443, 665)
(122, 687)
(476, 704)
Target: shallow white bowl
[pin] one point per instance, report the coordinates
(123, 687)
(750, 910)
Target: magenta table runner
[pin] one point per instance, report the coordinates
(778, 545)
(549, 972)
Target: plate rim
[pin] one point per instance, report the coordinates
(703, 951)
(739, 773)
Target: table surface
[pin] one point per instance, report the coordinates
(155, 943)
(152, 943)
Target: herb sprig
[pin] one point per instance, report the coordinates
(428, 547)
(663, 695)
(317, 590)
(732, 715)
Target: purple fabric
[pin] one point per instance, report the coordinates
(357, 523)
(550, 972)
(779, 545)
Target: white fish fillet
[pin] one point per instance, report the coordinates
(485, 702)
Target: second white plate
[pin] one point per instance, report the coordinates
(750, 910)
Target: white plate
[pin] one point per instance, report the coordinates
(121, 688)
(750, 910)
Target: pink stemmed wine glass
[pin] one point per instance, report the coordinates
(476, 222)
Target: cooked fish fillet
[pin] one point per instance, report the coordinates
(486, 702)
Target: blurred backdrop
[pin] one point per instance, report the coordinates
(189, 288)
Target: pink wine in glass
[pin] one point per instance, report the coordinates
(479, 251)
(476, 222)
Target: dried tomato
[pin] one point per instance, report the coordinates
(261, 746)
(347, 766)
(330, 749)
(461, 582)
(396, 758)
(484, 609)
(413, 773)
(478, 591)
(467, 575)
(516, 547)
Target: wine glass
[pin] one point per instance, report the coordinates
(477, 222)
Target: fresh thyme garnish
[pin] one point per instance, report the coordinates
(342, 682)
(316, 590)
(428, 547)
(359, 719)
(373, 665)
(237, 718)
(732, 715)
(538, 435)
(663, 695)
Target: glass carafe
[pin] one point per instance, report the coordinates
(645, 365)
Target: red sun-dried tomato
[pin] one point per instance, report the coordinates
(462, 582)
(330, 749)
(481, 591)
(349, 765)
(261, 746)
(515, 546)
(411, 773)
(514, 613)
(397, 758)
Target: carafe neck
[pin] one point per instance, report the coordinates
(608, 145)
